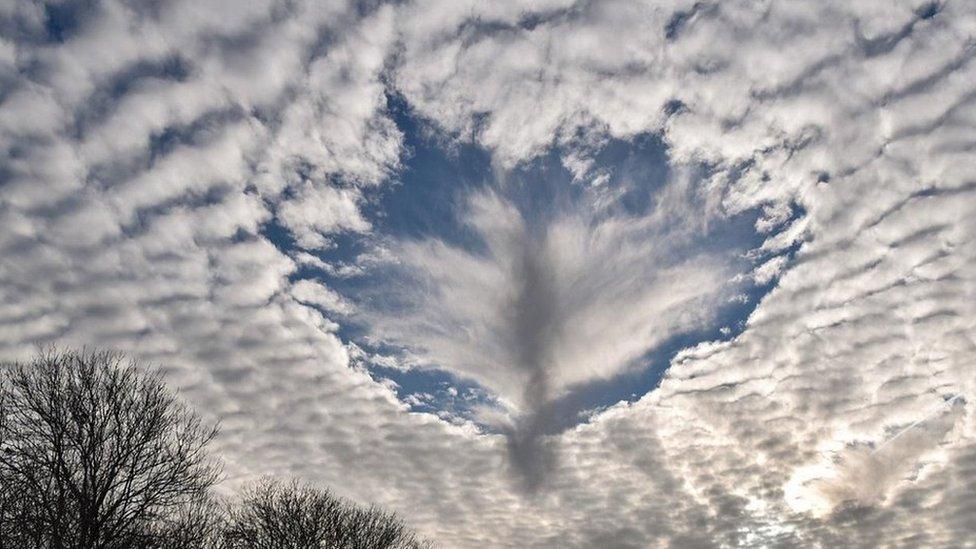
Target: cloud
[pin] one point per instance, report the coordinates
(322, 211)
(861, 476)
(307, 291)
(146, 148)
(549, 302)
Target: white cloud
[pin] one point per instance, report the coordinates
(770, 269)
(132, 203)
(307, 291)
(320, 211)
(577, 299)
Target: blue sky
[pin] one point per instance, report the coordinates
(426, 200)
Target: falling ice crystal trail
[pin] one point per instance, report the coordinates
(502, 281)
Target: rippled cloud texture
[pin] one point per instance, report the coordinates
(174, 171)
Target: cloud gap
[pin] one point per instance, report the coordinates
(551, 290)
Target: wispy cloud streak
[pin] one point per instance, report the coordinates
(550, 302)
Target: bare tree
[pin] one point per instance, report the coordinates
(273, 515)
(94, 453)
(197, 525)
(18, 524)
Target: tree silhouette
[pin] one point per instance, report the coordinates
(95, 453)
(275, 515)
(197, 525)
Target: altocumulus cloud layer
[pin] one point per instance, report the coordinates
(154, 153)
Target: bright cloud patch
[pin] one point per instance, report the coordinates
(571, 301)
(291, 205)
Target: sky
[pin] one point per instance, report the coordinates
(532, 274)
